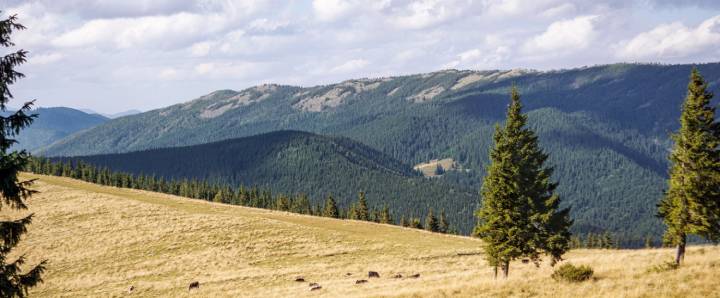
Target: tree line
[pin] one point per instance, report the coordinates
(242, 195)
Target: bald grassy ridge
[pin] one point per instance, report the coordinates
(101, 240)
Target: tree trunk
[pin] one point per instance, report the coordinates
(495, 268)
(506, 268)
(680, 256)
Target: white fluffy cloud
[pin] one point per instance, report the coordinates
(154, 31)
(565, 35)
(674, 40)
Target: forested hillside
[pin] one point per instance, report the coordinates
(53, 124)
(606, 127)
(293, 162)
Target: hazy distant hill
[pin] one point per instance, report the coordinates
(607, 127)
(113, 115)
(54, 124)
(294, 162)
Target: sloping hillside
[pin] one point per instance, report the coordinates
(101, 241)
(293, 162)
(54, 124)
(606, 128)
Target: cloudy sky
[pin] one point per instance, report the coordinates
(111, 55)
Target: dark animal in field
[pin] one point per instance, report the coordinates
(397, 275)
(348, 274)
(525, 261)
(300, 279)
(416, 275)
(130, 289)
(373, 274)
(313, 284)
(194, 285)
(360, 281)
(315, 288)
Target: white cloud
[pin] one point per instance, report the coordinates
(331, 10)
(560, 10)
(563, 36)
(470, 55)
(674, 40)
(169, 74)
(201, 49)
(155, 31)
(45, 58)
(204, 68)
(425, 13)
(350, 66)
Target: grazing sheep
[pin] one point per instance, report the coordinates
(416, 275)
(373, 274)
(315, 288)
(397, 275)
(300, 279)
(360, 281)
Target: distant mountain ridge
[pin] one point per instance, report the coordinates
(53, 124)
(113, 115)
(606, 127)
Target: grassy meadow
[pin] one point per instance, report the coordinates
(100, 241)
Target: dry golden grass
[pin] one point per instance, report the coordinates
(102, 240)
(428, 168)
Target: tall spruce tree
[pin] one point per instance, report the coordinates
(520, 214)
(443, 225)
(13, 192)
(691, 204)
(330, 209)
(361, 210)
(385, 216)
(431, 222)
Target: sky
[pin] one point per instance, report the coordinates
(117, 55)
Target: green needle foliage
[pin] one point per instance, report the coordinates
(692, 202)
(331, 209)
(13, 193)
(361, 210)
(431, 222)
(520, 214)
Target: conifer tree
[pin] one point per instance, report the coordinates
(361, 210)
(443, 225)
(282, 203)
(385, 216)
(330, 209)
(431, 222)
(691, 205)
(519, 215)
(13, 193)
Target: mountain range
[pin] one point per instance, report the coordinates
(53, 124)
(606, 128)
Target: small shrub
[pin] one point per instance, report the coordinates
(667, 266)
(572, 273)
